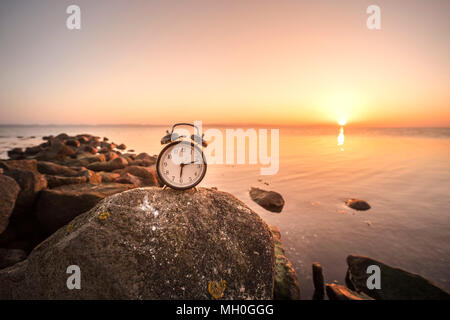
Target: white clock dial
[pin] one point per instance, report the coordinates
(181, 165)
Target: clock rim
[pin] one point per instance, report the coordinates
(168, 183)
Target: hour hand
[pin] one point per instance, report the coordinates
(181, 170)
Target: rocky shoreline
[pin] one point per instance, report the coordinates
(83, 198)
(60, 179)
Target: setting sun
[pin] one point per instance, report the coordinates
(342, 121)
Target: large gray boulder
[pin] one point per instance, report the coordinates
(151, 243)
(396, 284)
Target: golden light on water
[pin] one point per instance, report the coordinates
(341, 138)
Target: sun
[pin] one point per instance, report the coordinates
(342, 121)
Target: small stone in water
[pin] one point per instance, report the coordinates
(357, 204)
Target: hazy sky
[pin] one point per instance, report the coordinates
(225, 61)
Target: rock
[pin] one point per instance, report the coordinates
(62, 136)
(121, 147)
(58, 151)
(339, 292)
(106, 146)
(73, 143)
(23, 232)
(142, 163)
(129, 160)
(83, 139)
(152, 244)
(8, 236)
(131, 156)
(111, 155)
(7, 165)
(318, 280)
(147, 175)
(286, 286)
(9, 191)
(85, 159)
(56, 181)
(396, 284)
(91, 176)
(55, 169)
(90, 149)
(16, 153)
(357, 204)
(89, 158)
(269, 200)
(9, 257)
(31, 151)
(108, 176)
(118, 163)
(145, 156)
(29, 179)
(58, 206)
(128, 178)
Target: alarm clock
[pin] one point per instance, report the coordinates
(181, 163)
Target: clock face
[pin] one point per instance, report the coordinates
(181, 165)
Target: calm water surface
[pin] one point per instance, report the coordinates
(403, 173)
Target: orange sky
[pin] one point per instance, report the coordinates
(267, 62)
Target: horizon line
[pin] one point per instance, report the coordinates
(354, 125)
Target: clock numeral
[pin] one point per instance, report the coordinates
(195, 173)
(165, 164)
(181, 180)
(167, 172)
(169, 156)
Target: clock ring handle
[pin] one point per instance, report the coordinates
(185, 124)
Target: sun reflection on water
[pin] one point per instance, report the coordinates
(341, 138)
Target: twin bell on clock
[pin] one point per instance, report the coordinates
(181, 163)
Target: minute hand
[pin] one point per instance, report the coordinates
(192, 162)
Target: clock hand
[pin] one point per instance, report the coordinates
(181, 171)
